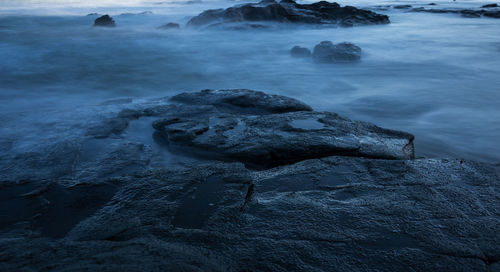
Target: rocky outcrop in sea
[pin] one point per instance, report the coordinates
(287, 11)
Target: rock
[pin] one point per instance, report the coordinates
(402, 6)
(300, 52)
(99, 205)
(432, 4)
(470, 14)
(243, 101)
(289, 12)
(490, 6)
(333, 214)
(467, 13)
(328, 52)
(104, 20)
(492, 14)
(94, 14)
(170, 26)
(279, 139)
(52, 208)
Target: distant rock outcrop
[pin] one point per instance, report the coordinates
(105, 21)
(288, 11)
(327, 52)
(300, 52)
(467, 13)
(490, 6)
(170, 26)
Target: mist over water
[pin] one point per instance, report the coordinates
(433, 75)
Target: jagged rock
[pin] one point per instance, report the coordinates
(328, 52)
(490, 6)
(300, 52)
(170, 26)
(104, 20)
(289, 12)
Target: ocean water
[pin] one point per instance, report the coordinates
(436, 76)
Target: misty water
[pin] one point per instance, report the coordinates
(436, 76)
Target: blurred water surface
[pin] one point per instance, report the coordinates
(433, 75)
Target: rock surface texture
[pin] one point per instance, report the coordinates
(288, 11)
(331, 194)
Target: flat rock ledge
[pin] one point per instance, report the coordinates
(355, 201)
(269, 140)
(288, 11)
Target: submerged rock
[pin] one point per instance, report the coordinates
(300, 52)
(170, 26)
(104, 20)
(328, 52)
(289, 12)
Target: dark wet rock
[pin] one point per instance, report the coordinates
(402, 6)
(300, 52)
(289, 12)
(97, 204)
(470, 14)
(104, 20)
(111, 126)
(243, 101)
(492, 14)
(52, 208)
(490, 6)
(277, 139)
(170, 26)
(328, 52)
(334, 214)
(432, 4)
(467, 13)
(47, 162)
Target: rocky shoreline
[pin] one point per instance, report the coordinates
(269, 184)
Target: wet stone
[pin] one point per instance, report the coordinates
(307, 124)
(196, 208)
